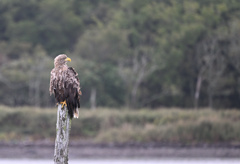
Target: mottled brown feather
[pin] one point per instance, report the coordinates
(65, 85)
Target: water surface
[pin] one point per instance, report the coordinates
(125, 161)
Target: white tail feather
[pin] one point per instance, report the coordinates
(76, 114)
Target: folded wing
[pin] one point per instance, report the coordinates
(72, 92)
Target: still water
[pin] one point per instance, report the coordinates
(126, 161)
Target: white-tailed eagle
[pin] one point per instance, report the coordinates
(65, 85)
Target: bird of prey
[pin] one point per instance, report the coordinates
(65, 85)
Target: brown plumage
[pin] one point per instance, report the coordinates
(65, 85)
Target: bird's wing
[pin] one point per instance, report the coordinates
(52, 79)
(72, 79)
(72, 90)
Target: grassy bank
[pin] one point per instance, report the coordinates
(125, 126)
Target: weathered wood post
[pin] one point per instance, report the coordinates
(63, 128)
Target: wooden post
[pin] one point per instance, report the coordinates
(63, 128)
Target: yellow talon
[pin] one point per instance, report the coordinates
(63, 103)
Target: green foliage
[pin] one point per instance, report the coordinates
(137, 54)
(125, 126)
(172, 126)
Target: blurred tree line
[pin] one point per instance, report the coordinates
(135, 53)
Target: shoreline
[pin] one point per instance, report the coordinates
(86, 150)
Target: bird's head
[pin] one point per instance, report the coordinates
(61, 60)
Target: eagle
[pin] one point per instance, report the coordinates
(65, 85)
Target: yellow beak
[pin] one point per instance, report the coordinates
(68, 59)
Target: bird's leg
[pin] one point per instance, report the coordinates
(63, 103)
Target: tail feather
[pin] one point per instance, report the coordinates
(70, 112)
(76, 113)
(73, 103)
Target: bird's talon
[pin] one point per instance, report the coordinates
(63, 103)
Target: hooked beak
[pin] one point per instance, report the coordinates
(68, 59)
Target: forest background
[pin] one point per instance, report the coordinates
(136, 60)
(128, 53)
